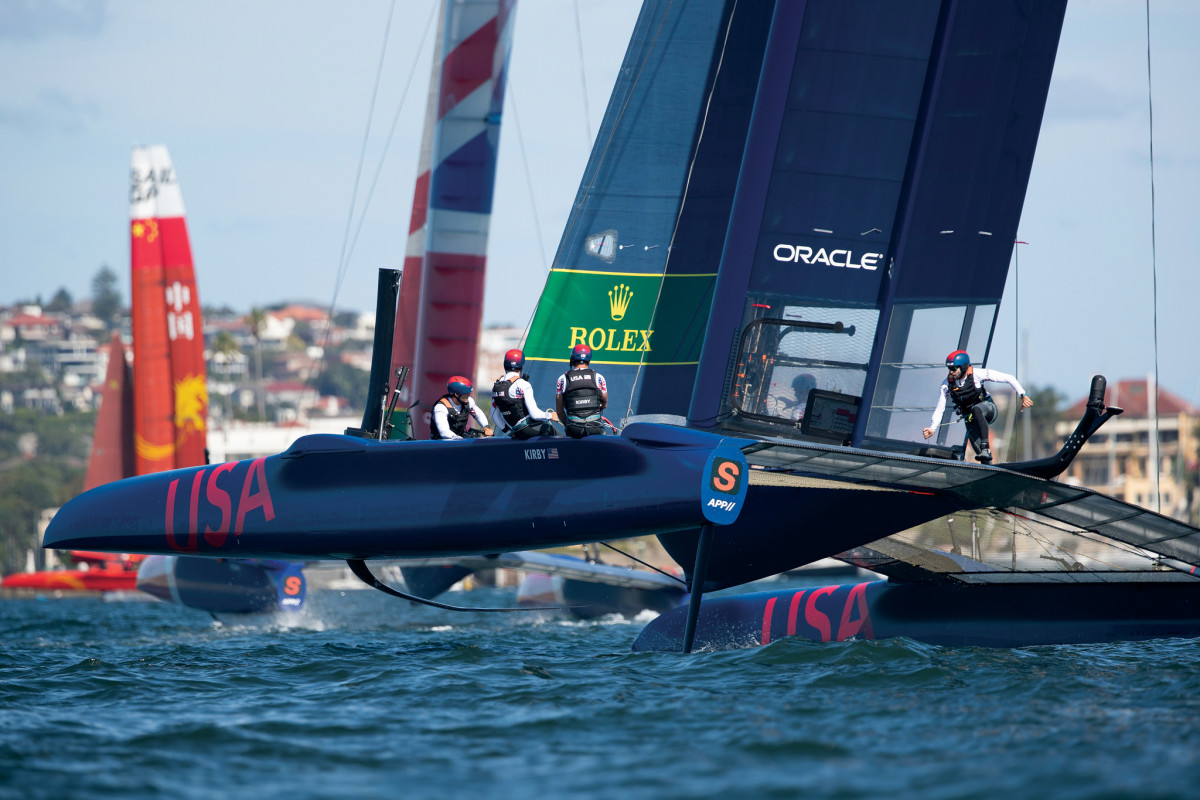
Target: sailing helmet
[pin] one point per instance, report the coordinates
(958, 358)
(459, 385)
(513, 360)
(803, 382)
(581, 354)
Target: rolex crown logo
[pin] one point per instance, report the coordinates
(618, 300)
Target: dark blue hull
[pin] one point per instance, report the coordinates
(229, 586)
(340, 497)
(985, 616)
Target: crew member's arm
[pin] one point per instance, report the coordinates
(525, 390)
(442, 422)
(498, 420)
(559, 388)
(938, 410)
(995, 376)
(480, 417)
(603, 387)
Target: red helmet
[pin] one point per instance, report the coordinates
(581, 354)
(513, 360)
(958, 358)
(459, 385)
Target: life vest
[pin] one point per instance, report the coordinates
(456, 420)
(511, 409)
(582, 396)
(968, 395)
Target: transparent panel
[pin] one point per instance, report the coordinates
(981, 329)
(781, 362)
(990, 541)
(913, 366)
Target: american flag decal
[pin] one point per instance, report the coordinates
(553, 453)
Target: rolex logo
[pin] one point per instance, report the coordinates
(618, 300)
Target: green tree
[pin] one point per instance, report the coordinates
(342, 380)
(106, 297)
(256, 320)
(225, 346)
(47, 480)
(1037, 424)
(61, 301)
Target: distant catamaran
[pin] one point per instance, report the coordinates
(151, 418)
(170, 393)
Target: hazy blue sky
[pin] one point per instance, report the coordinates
(263, 106)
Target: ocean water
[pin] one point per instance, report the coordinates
(369, 697)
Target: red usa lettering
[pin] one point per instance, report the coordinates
(211, 494)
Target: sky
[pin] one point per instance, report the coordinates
(264, 107)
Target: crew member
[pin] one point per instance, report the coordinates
(514, 410)
(793, 407)
(581, 396)
(964, 387)
(452, 411)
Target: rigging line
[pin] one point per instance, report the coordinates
(644, 564)
(1087, 535)
(537, 226)
(683, 199)
(1153, 261)
(362, 156)
(587, 116)
(388, 142)
(319, 367)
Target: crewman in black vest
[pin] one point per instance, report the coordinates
(514, 409)
(964, 387)
(581, 396)
(453, 409)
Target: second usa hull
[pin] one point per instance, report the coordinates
(1007, 615)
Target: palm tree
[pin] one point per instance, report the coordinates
(257, 321)
(225, 346)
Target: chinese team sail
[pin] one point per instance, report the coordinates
(441, 297)
(170, 393)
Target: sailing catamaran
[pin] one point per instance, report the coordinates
(778, 190)
(170, 390)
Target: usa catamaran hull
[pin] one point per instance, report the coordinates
(984, 616)
(341, 497)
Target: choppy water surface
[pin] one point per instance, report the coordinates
(370, 697)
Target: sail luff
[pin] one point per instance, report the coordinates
(154, 407)
(441, 304)
(409, 306)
